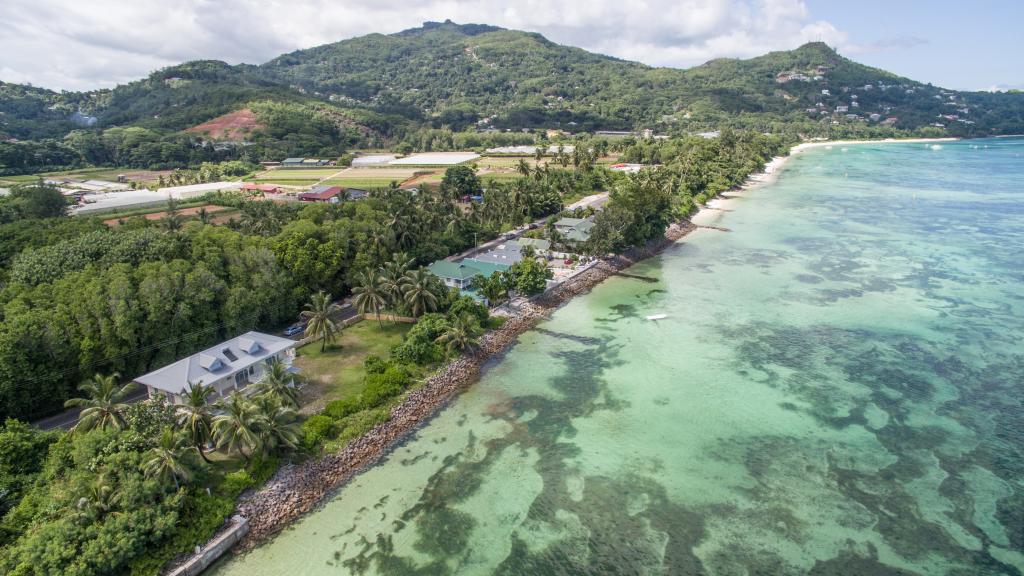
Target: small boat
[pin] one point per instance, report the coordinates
(657, 317)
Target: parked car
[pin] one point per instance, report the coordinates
(294, 329)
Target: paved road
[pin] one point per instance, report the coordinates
(68, 418)
(501, 239)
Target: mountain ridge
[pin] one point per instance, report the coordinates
(394, 88)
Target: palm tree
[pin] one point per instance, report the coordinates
(390, 278)
(203, 215)
(418, 290)
(99, 495)
(278, 383)
(369, 294)
(167, 460)
(523, 167)
(103, 406)
(172, 220)
(237, 429)
(279, 426)
(319, 315)
(196, 417)
(460, 335)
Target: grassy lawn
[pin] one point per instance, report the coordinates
(338, 372)
(504, 176)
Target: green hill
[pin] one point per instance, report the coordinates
(380, 90)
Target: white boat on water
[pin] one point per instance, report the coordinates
(657, 316)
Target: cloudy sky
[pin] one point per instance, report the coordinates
(76, 45)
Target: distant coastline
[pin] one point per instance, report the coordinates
(719, 204)
(775, 165)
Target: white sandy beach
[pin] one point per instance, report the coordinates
(774, 167)
(716, 206)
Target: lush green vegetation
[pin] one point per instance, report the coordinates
(82, 298)
(128, 489)
(133, 485)
(693, 171)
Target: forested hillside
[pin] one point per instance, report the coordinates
(384, 90)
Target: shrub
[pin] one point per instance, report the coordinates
(417, 352)
(262, 468)
(356, 425)
(316, 430)
(235, 483)
(200, 518)
(466, 305)
(495, 322)
(375, 364)
(418, 347)
(339, 409)
(382, 387)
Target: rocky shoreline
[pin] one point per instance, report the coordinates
(297, 488)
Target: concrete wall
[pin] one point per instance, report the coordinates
(214, 549)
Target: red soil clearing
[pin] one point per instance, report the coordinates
(231, 126)
(184, 213)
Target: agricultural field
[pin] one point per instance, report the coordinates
(359, 183)
(218, 214)
(295, 176)
(109, 174)
(20, 179)
(143, 177)
(501, 176)
(378, 177)
(498, 162)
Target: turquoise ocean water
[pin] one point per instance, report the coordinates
(837, 389)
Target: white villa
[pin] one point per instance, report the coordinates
(229, 366)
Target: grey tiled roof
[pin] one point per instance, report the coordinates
(216, 362)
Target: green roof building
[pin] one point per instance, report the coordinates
(461, 274)
(575, 230)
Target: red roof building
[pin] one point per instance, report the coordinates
(322, 194)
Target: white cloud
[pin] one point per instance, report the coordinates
(69, 44)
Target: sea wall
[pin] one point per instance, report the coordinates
(297, 488)
(235, 529)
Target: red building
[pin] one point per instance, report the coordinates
(332, 194)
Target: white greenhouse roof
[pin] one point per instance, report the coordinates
(435, 159)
